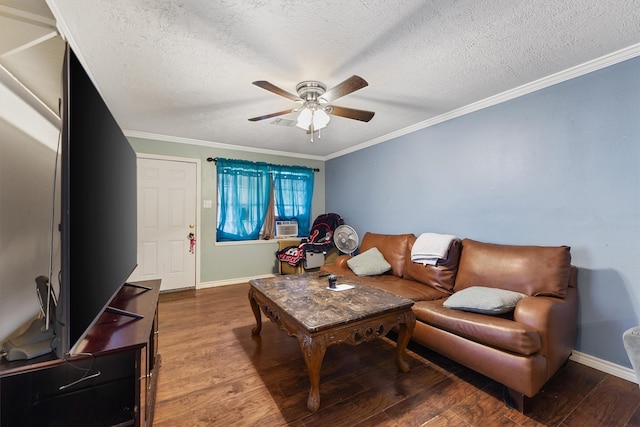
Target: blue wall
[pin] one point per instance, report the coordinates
(557, 166)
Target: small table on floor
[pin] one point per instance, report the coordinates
(319, 317)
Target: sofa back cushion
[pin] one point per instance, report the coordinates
(392, 246)
(531, 270)
(441, 276)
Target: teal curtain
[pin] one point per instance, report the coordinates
(293, 191)
(243, 199)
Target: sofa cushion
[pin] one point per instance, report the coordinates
(494, 331)
(369, 263)
(441, 276)
(481, 299)
(531, 270)
(392, 246)
(402, 287)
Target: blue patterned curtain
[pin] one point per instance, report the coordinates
(243, 199)
(293, 191)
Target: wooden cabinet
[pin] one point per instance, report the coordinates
(110, 381)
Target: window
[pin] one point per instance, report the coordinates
(249, 191)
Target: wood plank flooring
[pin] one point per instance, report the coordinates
(215, 373)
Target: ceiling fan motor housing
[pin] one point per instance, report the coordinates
(311, 90)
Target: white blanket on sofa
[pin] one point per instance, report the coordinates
(431, 247)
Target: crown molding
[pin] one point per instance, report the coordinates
(223, 146)
(562, 76)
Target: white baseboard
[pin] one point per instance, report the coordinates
(604, 366)
(233, 281)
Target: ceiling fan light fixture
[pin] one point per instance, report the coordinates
(312, 117)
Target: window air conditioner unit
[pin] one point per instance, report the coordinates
(286, 229)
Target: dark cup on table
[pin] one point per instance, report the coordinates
(332, 281)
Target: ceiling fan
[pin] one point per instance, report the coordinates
(315, 100)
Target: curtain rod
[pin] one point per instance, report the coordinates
(215, 159)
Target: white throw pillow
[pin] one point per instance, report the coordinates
(369, 263)
(481, 299)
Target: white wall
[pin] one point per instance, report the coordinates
(27, 158)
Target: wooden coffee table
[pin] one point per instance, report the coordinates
(303, 306)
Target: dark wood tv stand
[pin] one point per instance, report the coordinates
(124, 352)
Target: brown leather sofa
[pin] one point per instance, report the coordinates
(521, 349)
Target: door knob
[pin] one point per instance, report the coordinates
(191, 226)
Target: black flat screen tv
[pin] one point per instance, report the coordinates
(98, 200)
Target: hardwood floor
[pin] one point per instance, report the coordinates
(215, 373)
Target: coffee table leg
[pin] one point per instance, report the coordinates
(404, 335)
(256, 312)
(313, 352)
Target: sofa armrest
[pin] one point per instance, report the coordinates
(341, 261)
(556, 320)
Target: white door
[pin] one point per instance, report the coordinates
(166, 215)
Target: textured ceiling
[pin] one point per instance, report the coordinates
(183, 68)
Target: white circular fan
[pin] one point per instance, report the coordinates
(346, 239)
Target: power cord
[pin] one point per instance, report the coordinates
(85, 376)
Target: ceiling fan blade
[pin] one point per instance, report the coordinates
(275, 89)
(352, 113)
(352, 84)
(268, 116)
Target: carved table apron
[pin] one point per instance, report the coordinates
(318, 317)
